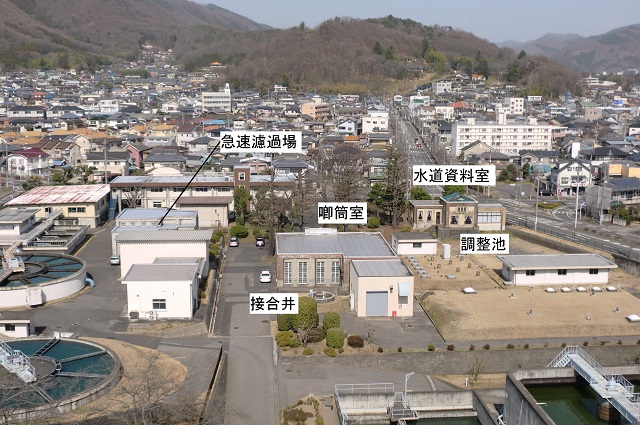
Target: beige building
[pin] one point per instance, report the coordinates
(456, 212)
(79, 204)
(382, 288)
(317, 110)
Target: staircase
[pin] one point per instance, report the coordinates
(17, 363)
(614, 388)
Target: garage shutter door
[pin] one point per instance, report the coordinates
(377, 304)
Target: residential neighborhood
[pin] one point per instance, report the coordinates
(123, 222)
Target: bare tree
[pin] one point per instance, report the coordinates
(140, 396)
(477, 367)
(347, 173)
(132, 196)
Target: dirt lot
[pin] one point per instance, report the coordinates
(493, 313)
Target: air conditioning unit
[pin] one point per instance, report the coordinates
(152, 315)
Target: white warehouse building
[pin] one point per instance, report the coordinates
(563, 269)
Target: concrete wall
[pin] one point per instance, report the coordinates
(520, 407)
(496, 361)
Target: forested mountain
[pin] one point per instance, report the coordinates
(343, 53)
(613, 51)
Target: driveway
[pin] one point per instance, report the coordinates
(251, 384)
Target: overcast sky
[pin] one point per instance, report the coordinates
(494, 20)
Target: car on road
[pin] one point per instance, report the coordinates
(545, 193)
(234, 241)
(260, 241)
(265, 276)
(115, 260)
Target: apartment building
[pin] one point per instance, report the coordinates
(505, 137)
(217, 100)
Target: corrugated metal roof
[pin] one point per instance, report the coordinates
(413, 236)
(16, 215)
(160, 272)
(205, 200)
(152, 213)
(158, 234)
(380, 268)
(72, 194)
(556, 261)
(348, 244)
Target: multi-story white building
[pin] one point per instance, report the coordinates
(375, 121)
(514, 105)
(217, 100)
(505, 137)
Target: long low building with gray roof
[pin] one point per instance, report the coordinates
(557, 269)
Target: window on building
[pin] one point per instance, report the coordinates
(417, 244)
(468, 220)
(241, 176)
(593, 271)
(47, 210)
(9, 327)
(489, 217)
(562, 272)
(202, 189)
(302, 272)
(288, 266)
(157, 189)
(454, 219)
(177, 189)
(319, 272)
(157, 205)
(224, 189)
(530, 272)
(160, 304)
(72, 210)
(420, 215)
(335, 272)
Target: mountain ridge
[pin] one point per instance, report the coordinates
(611, 51)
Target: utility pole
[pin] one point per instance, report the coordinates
(104, 147)
(575, 224)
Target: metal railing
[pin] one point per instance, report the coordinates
(573, 236)
(384, 388)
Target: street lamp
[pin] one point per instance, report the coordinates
(406, 381)
(535, 223)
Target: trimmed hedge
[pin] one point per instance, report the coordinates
(239, 231)
(331, 320)
(284, 322)
(355, 341)
(331, 352)
(283, 339)
(307, 316)
(316, 335)
(373, 223)
(335, 338)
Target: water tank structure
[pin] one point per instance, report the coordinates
(39, 377)
(28, 280)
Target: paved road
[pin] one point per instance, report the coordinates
(407, 134)
(251, 374)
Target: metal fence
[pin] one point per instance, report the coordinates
(574, 236)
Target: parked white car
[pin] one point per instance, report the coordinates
(265, 276)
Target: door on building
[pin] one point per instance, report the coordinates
(377, 304)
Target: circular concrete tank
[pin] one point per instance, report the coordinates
(46, 278)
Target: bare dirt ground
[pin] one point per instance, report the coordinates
(493, 313)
